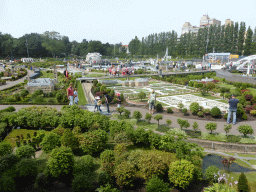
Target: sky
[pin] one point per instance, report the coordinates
(116, 21)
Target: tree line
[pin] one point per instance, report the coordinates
(234, 38)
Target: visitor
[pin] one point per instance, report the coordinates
(76, 99)
(70, 94)
(232, 109)
(99, 104)
(4, 66)
(107, 100)
(118, 98)
(152, 102)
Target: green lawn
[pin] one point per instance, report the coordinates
(46, 75)
(94, 75)
(221, 84)
(82, 100)
(17, 132)
(253, 162)
(246, 155)
(252, 90)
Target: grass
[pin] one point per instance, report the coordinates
(225, 85)
(242, 163)
(230, 153)
(94, 75)
(17, 132)
(46, 75)
(253, 91)
(246, 155)
(82, 100)
(253, 162)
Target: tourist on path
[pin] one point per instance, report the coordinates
(107, 101)
(96, 99)
(232, 109)
(99, 104)
(70, 94)
(118, 98)
(76, 99)
(152, 102)
(4, 66)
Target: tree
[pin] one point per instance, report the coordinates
(180, 105)
(211, 127)
(156, 184)
(5, 148)
(120, 110)
(25, 151)
(240, 43)
(52, 42)
(142, 95)
(134, 46)
(69, 140)
(242, 185)
(183, 123)
(158, 118)
(248, 42)
(195, 126)
(61, 162)
(168, 122)
(245, 129)
(227, 129)
(227, 162)
(148, 117)
(50, 141)
(181, 173)
(137, 115)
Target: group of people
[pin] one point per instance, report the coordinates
(108, 99)
(115, 71)
(72, 95)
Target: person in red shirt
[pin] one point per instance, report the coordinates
(70, 94)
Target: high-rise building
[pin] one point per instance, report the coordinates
(187, 27)
(206, 21)
(228, 21)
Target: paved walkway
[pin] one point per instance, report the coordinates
(13, 83)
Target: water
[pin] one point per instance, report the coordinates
(215, 160)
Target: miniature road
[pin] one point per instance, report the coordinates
(13, 83)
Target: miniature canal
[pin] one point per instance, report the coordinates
(215, 160)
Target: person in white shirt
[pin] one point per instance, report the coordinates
(76, 99)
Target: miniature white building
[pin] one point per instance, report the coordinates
(93, 58)
(45, 84)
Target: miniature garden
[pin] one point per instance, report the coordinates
(12, 74)
(103, 154)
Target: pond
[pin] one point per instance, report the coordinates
(215, 160)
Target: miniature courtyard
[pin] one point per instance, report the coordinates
(170, 94)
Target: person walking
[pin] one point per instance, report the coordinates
(107, 101)
(76, 99)
(96, 99)
(99, 104)
(152, 102)
(70, 94)
(118, 98)
(4, 66)
(232, 109)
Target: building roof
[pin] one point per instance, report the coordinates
(40, 82)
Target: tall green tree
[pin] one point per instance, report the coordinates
(248, 42)
(240, 42)
(134, 46)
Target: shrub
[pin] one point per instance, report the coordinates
(50, 141)
(245, 129)
(181, 173)
(211, 126)
(107, 156)
(27, 168)
(207, 111)
(244, 116)
(120, 110)
(184, 111)
(154, 162)
(242, 183)
(61, 162)
(125, 174)
(82, 183)
(5, 148)
(92, 142)
(83, 165)
(195, 126)
(148, 116)
(194, 107)
(7, 162)
(159, 108)
(137, 115)
(122, 138)
(41, 181)
(168, 122)
(25, 151)
(69, 140)
(156, 184)
(253, 112)
(210, 172)
(127, 113)
(200, 114)
(225, 116)
(140, 136)
(169, 110)
(215, 112)
(219, 187)
(59, 131)
(7, 184)
(154, 139)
